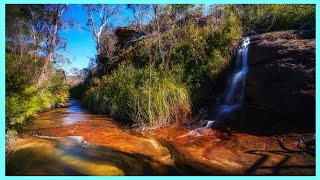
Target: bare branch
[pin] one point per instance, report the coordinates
(81, 27)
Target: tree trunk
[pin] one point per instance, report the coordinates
(56, 20)
(35, 47)
(156, 11)
(33, 32)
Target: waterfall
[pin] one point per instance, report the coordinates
(234, 95)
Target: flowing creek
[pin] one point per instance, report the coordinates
(52, 149)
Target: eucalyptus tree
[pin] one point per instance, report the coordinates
(99, 23)
(49, 18)
(34, 29)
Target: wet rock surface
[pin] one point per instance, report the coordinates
(280, 90)
(216, 153)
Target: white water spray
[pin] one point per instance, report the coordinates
(235, 92)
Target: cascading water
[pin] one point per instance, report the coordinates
(234, 95)
(235, 92)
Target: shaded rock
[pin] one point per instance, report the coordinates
(124, 34)
(298, 45)
(280, 90)
(128, 37)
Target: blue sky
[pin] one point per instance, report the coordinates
(81, 44)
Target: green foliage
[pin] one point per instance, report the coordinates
(130, 93)
(21, 72)
(197, 57)
(22, 105)
(293, 16)
(263, 18)
(77, 91)
(23, 97)
(176, 11)
(204, 52)
(58, 87)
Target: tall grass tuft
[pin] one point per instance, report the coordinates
(147, 96)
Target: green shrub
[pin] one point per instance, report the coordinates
(78, 90)
(23, 96)
(21, 72)
(58, 88)
(129, 93)
(264, 18)
(204, 53)
(293, 16)
(22, 105)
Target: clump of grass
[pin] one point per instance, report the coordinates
(147, 96)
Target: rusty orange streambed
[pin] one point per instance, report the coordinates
(71, 141)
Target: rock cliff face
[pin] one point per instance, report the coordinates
(280, 90)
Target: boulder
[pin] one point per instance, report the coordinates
(280, 88)
(124, 34)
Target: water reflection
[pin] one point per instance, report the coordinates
(62, 116)
(68, 156)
